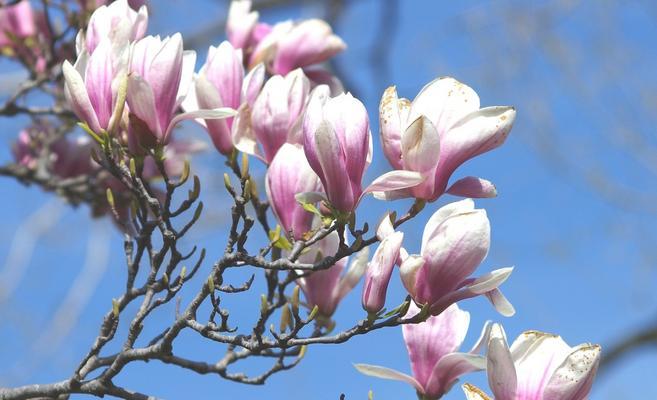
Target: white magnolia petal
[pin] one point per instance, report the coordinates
(393, 194)
(217, 113)
(574, 377)
(78, 97)
(408, 271)
(387, 373)
(472, 186)
(186, 75)
(490, 281)
(384, 227)
(444, 212)
(244, 138)
(420, 146)
(501, 303)
(502, 377)
(310, 197)
(483, 338)
(445, 101)
(393, 181)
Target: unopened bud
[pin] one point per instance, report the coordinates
(302, 351)
(227, 183)
(313, 313)
(115, 308)
(264, 305)
(110, 198)
(245, 165)
(295, 300)
(133, 167)
(286, 319)
(185, 172)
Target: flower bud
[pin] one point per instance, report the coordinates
(379, 272)
(289, 174)
(337, 142)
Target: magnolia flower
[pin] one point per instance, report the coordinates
(277, 112)
(326, 288)
(221, 83)
(287, 175)
(380, 268)
(433, 351)
(455, 241)
(24, 34)
(17, 20)
(537, 366)
(306, 43)
(68, 157)
(241, 23)
(337, 142)
(274, 118)
(117, 22)
(93, 84)
(160, 74)
(440, 130)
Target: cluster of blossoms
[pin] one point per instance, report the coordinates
(265, 93)
(24, 35)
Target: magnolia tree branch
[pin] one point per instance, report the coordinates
(152, 216)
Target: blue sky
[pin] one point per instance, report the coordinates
(584, 259)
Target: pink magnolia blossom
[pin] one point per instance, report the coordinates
(433, 351)
(283, 47)
(69, 157)
(436, 133)
(160, 75)
(274, 118)
(118, 22)
(337, 142)
(307, 43)
(287, 175)
(455, 241)
(17, 20)
(326, 288)
(221, 82)
(277, 112)
(18, 23)
(241, 24)
(92, 85)
(538, 366)
(380, 268)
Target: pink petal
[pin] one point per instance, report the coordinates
(379, 272)
(444, 101)
(428, 342)
(472, 186)
(474, 134)
(574, 377)
(451, 367)
(334, 169)
(76, 94)
(393, 181)
(501, 371)
(393, 113)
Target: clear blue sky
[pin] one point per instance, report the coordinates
(584, 264)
